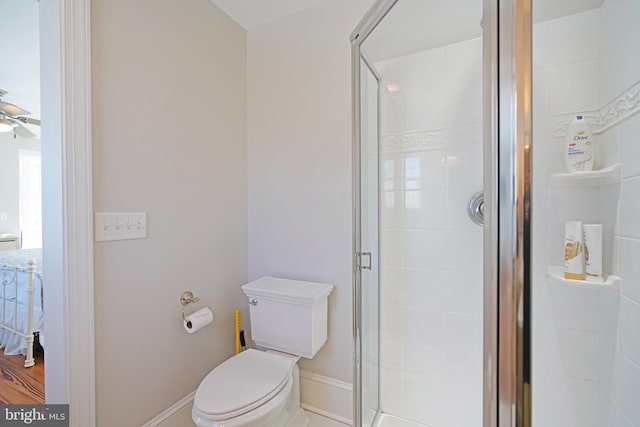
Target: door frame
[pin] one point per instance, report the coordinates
(65, 45)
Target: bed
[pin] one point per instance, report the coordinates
(21, 312)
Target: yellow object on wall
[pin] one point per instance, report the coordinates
(237, 331)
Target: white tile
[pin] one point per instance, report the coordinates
(583, 409)
(391, 172)
(464, 396)
(391, 359)
(316, 420)
(425, 209)
(464, 251)
(630, 268)
(575, 308)
(464, 166)
(579, 352)
(393, 288)
(426, 288)
(425, 69)
(607, 148)
(424, 170)
(467, 134)
(425, 386)
(393, 322)
(540, 48)
(629, 390)
(574, 87)
(425, 328)
(623, 421)
(573, 38)
(464, 340)
(629, 209)
(392, 109)
(464, 103)
(464, 293)
(391, 248)
(628, 330)
(615, 18)
(425, 249)
(391, 209)
(619, 70)
(541, 113)
(464, 61)
(424, 108)
(424, 363)
(630, 146)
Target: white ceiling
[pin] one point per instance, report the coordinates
(254, 13)
(416, 25)
(413, 25)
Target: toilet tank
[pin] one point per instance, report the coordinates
(288, 315)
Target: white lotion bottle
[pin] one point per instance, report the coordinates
(579, 146)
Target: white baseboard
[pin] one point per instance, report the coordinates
(326, 396)
(169, 412)
(322, 395)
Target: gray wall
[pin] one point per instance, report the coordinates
(169, 139)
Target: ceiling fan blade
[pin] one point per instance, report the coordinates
(12, 110)
(29, 120)
(24, 132)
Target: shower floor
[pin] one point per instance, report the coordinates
(386, 420)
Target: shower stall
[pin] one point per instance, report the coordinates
(462, 314)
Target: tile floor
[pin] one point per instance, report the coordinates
(320, 421)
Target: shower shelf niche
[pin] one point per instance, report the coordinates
(605, 176)
(555, 275)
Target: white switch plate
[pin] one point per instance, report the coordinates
(120, 226)
(4, 216)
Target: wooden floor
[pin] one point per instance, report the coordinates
(18, 384)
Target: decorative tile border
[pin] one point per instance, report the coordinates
(432, 139)
(616, 111)
(621, 108)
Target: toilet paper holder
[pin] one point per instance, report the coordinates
(185, 299)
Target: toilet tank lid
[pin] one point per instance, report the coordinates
(287, 289)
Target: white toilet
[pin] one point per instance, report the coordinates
(262, 388)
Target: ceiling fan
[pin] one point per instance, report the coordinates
(12, 119)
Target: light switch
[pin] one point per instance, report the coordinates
(4, 216)
(120, 226)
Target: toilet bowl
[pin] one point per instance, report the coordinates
(251, 389)
(262, 388)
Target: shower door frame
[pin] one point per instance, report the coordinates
(507, 142)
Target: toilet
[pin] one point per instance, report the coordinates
(261, 388)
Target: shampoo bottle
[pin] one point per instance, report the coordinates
(579, 146)
(573, 254)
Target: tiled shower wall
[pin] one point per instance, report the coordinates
(620, 92)
(430, 251)
(586, 357)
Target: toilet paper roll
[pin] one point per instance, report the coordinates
(198, 320)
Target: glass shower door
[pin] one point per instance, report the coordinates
(419, 162)
(367, 256)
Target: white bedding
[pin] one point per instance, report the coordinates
(15, 344)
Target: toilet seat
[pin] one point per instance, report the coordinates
(242, 383)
